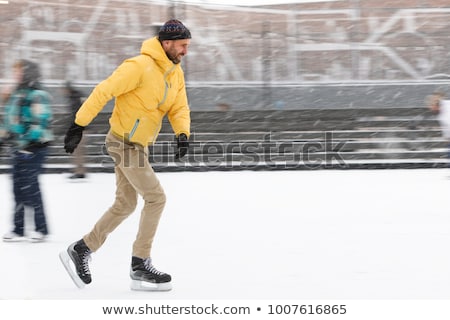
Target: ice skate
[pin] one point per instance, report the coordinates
(79, 254)
(36, 236)
(145, 277)
(13, 237)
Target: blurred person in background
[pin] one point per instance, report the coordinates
(440, 107)
(75, 99)
(26, 130)
(146, 88)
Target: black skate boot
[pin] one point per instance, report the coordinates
(145, 277)
(79, 253)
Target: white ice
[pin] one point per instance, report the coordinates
(326, 234)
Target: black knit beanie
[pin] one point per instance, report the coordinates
(173, 30)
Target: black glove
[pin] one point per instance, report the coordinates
(182, 146)
(73, 137)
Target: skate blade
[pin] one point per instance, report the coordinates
(66, 261)
(139, 285)
(37, 240)
(18, 239)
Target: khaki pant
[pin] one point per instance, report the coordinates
(78, 157)
(134, 176)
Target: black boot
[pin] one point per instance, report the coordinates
(142, 269)
(80, 255)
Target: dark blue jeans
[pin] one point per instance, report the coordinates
(27, 191)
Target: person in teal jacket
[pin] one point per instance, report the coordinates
(26, 130)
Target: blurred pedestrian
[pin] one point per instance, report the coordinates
(74, 99)
(26, 129)
(146, 88)
(440, 107)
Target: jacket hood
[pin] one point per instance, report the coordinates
(31, 75)
(153, 48)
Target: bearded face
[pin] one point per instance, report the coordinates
(176, 49)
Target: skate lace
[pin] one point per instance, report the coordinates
(150, 268)
(86, 257)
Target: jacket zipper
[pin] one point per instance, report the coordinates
(136, 124)
(166, 85)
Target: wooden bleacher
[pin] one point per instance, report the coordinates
(271, 140)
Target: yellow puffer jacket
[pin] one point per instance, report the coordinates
(146, 88)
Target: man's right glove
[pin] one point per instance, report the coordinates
(73, 137)
(182, 146)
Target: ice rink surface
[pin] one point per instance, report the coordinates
(325, 234)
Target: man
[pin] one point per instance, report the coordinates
(146, 88)
(74, 99)
(440, 106)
